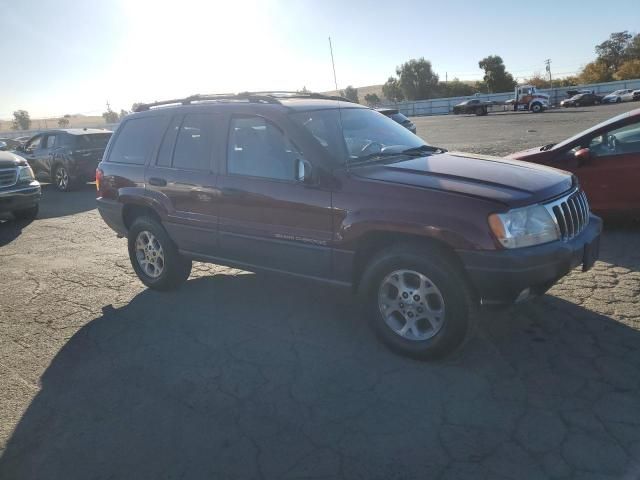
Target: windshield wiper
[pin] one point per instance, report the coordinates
(393, 151)
(423, 149)
(547, 147)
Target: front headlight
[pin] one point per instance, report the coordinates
(523, 227)
(25, 174)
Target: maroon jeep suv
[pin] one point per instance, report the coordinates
(321, 188)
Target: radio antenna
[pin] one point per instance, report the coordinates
(333, 64)
(335, 81)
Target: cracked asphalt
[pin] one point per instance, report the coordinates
(243, 376)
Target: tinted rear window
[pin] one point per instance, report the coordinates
(137, 139)
(92, 140)
(400, 118)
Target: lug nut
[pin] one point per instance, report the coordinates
(405, 295)
(410, 314)
(416, 298)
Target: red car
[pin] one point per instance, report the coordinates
(605, 158)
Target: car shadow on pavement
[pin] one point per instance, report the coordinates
(619, 244)
(60, 204)
(239, 376)
(10, 229)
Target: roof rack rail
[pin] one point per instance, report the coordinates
(255, 97)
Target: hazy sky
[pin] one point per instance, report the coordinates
(71, 56)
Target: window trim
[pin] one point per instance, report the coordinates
(257, 177)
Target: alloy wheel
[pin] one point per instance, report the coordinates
(411, 305)
(149, 254)
(62, 178)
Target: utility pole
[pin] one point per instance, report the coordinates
(446, 77)
(108, 106)
(548, 64)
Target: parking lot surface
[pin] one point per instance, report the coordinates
(239, 375)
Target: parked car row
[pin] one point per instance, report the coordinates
(336, 192)
(329, 190)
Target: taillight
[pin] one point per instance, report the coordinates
(99, 178)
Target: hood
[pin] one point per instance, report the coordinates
(510, 182)
(8, 160)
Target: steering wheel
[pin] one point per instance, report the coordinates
(612, 142)
(369, 145)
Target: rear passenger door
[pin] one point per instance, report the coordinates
(43, 155)
(268, 218)
(183, 177)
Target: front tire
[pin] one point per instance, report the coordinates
(536, 108)
(417, 301)
(154, 256)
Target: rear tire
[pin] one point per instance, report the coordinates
(154, 256)
(428, 315)
(61, 178)
(27, 213)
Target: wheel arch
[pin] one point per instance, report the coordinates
(374, 242)
(131, 211)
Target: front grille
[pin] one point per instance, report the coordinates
(571, 214)
(8, 176)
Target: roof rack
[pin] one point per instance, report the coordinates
(252, 97)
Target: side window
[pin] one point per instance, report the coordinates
(51, 141)
(193, 145)
(623, 140)
(258, 148)
(33, 144)
(166, 149)
(137, 139)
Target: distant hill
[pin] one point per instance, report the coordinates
(362, 91)
(42, 123)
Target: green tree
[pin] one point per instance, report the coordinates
(456, 88)
(628, 70)
(417, 80)
(596, 72)
(304, 90)
(496, 77)
(135, 106)
(537, 81)
(63, 122)
(391, 90)
(21, 120)
(350, 93)
(110, 116)
(612, 52)
(633, 49)
(123, 113)
(372, 99)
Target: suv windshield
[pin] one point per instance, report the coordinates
(365, 134)
(93, 140)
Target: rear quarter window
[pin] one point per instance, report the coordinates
(137, 139)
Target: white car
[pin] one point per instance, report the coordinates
(618, 96)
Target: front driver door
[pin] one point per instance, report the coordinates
(610, 176)
(268, 218)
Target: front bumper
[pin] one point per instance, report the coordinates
(19, 197)
(501, 276)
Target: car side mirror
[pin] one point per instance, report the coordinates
(303, 171)
(580, 157)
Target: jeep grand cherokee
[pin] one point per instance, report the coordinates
(325, 189)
